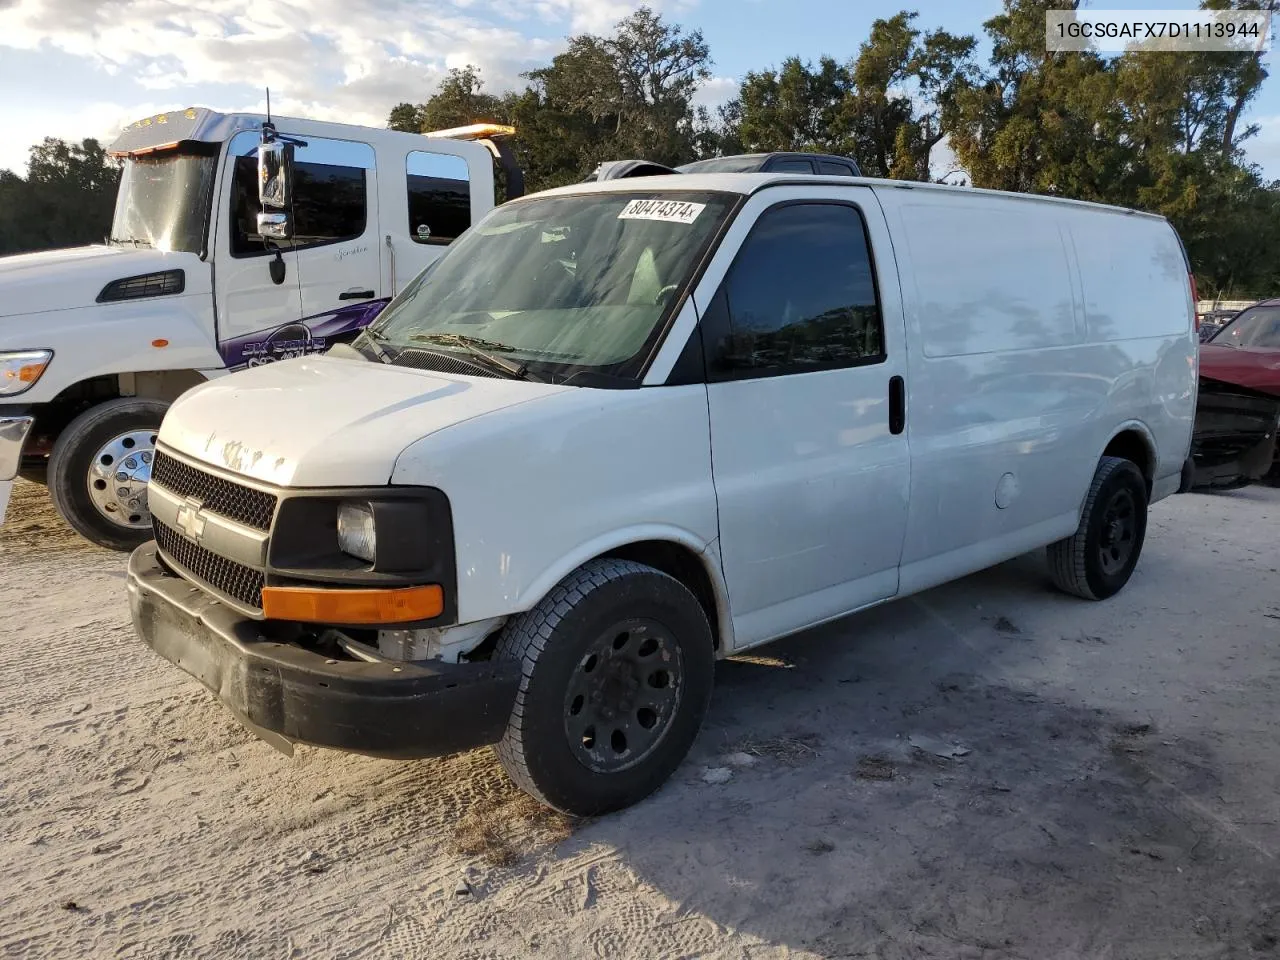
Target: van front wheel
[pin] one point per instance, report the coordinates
(617, 668)
(1098, 559)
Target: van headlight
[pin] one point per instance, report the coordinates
(20, 370)
(356, 533)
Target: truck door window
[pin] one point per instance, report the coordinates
(439, 196)
(800, 296)
(330, 195)
(832, 167)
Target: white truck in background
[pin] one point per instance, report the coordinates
(195, 281)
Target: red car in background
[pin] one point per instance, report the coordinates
(1238, 412)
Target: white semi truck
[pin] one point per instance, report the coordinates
(195, 280)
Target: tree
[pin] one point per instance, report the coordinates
(67, 198)
(798, 107)
(885, 108)
(631, 92)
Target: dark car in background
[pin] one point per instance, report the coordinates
(820, 164)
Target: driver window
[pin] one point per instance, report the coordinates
(330, 196)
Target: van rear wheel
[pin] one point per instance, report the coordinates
(1098, 559)
(617, 670)
(99, 471)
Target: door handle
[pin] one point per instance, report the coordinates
(897, 405)
(356, 295)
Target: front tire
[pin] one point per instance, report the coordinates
(1098, 559)
(617, 663)
(99, 470)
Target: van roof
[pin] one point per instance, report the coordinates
(749, 183)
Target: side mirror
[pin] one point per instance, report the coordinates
(277, 226)
(275, 175)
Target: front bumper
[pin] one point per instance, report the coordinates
(284, 691)
(13, 434)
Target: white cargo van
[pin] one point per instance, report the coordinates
(96, 341)
(622, 429)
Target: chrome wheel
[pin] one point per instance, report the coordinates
(118, 478)
(623, 695)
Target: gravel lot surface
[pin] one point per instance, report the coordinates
(1110, 787)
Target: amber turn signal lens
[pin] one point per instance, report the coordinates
(353, 607)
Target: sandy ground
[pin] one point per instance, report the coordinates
(1120, 797)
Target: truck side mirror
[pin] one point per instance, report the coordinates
(275, 189)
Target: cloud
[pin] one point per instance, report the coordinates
(353, 58)
(715, 91)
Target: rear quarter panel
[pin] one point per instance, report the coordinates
(1036, 332)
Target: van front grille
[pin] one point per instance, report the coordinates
(235, 580)
(253, 508)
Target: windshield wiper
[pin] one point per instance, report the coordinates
(479, 347)
(374, 338)
(132, 241)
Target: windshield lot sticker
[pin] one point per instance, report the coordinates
(666, 211)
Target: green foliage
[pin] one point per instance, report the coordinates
(1155, 131)
(66, 199)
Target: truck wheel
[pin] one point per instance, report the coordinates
(1098, 559)
(99, 470)
(618, 662)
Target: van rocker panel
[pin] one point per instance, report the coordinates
(397, 711)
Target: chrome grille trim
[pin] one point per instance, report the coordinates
(236, 501)
(232, 580)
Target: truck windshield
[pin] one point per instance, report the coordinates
(1256, 327)
(165, 198)
(559, 285)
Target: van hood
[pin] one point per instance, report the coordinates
(66, 279)
(323, 421)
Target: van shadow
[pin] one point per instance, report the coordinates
(1062, 832)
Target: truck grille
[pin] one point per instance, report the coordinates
(253, 508)
(240, 583)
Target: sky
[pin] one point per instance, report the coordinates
(84, 68)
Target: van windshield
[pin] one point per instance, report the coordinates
(164, 199)
(558, 285)
(1257, 327)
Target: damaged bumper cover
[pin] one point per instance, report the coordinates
(287, 693)
(1234, 440)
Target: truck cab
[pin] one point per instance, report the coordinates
(95, 342)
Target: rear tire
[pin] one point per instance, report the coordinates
(1098, 559)
(617, 663)
(119, 434)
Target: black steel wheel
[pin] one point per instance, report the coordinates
(1097, 561)
(623, 695)
(1118, 533)
(617, 666)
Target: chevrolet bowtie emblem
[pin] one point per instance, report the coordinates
(191, 520)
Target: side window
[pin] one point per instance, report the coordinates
(791, 166)
(439, 197)
(800, 296)
(330, 193)
(833, 167)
